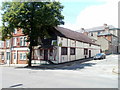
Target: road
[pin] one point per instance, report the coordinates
(91, 74)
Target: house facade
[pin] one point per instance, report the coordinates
(64, 46)
(107, 36)
(14, 50)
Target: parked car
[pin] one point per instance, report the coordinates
(99, 56)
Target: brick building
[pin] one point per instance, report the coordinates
(107, 36)
(14, 50)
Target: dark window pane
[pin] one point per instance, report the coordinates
(85, 51)
(63, 51)
(41, 52)
(51, 52)
(72, 51)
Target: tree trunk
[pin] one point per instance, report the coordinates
(30, 57)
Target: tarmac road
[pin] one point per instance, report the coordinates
(91, 74)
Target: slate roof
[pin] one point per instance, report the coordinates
(74, 35)
(100, 28)
(104, 34)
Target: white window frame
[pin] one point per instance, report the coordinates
(1, 44)
(23, 56)
(23, 41)
(7, 55)
(7, 43)
(14, 56)
(14, 41)
(2, 55)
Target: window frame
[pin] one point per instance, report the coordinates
(14, 41)
(91, 34)
(65, 51)
(72, 52)
(7, 43)
(85, 51)
(2, 55)
(41, 52)
(51, 52)
(22, 56)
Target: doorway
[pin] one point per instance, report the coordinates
(89, 53)
(46, 54)
(8, 57)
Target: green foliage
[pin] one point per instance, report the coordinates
(34, 17)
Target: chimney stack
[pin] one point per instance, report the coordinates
(84, 31)
(106, 26)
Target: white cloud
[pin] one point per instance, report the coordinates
(97, 15)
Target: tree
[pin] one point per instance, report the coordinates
(35, 18)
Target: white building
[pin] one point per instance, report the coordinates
(65, 45)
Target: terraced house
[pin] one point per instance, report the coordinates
(63, 45)
(14, 50)
(107, 36)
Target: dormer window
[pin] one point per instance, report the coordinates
(98, 32)
(91, 34)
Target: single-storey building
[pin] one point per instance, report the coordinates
(65, 45)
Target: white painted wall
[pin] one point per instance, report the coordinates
(79, 49)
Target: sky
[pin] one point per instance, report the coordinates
(89, 13)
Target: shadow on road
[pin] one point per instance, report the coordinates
(78, 64)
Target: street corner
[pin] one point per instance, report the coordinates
(116, 70)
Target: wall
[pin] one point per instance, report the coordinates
(103, 42)
(79, 46)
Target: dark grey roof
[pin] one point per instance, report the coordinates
(100, 28)
(74, 35)
(104, 34)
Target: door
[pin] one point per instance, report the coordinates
(46, 54)
(8, 57)
(89, 53)
(14, 56)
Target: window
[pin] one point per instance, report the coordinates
(1, 44)
(72, 51)
(7, 43)
(2, 55)
(14, 55)
(98, 32)
(8, 56)
(85, 51)
(91, 34)
(51, 52)
(14, 41)
(23, 41)
(90, 45)
(41, 52)
(22, 56)
(63, 50)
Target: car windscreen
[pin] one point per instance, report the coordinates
(98, 54)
